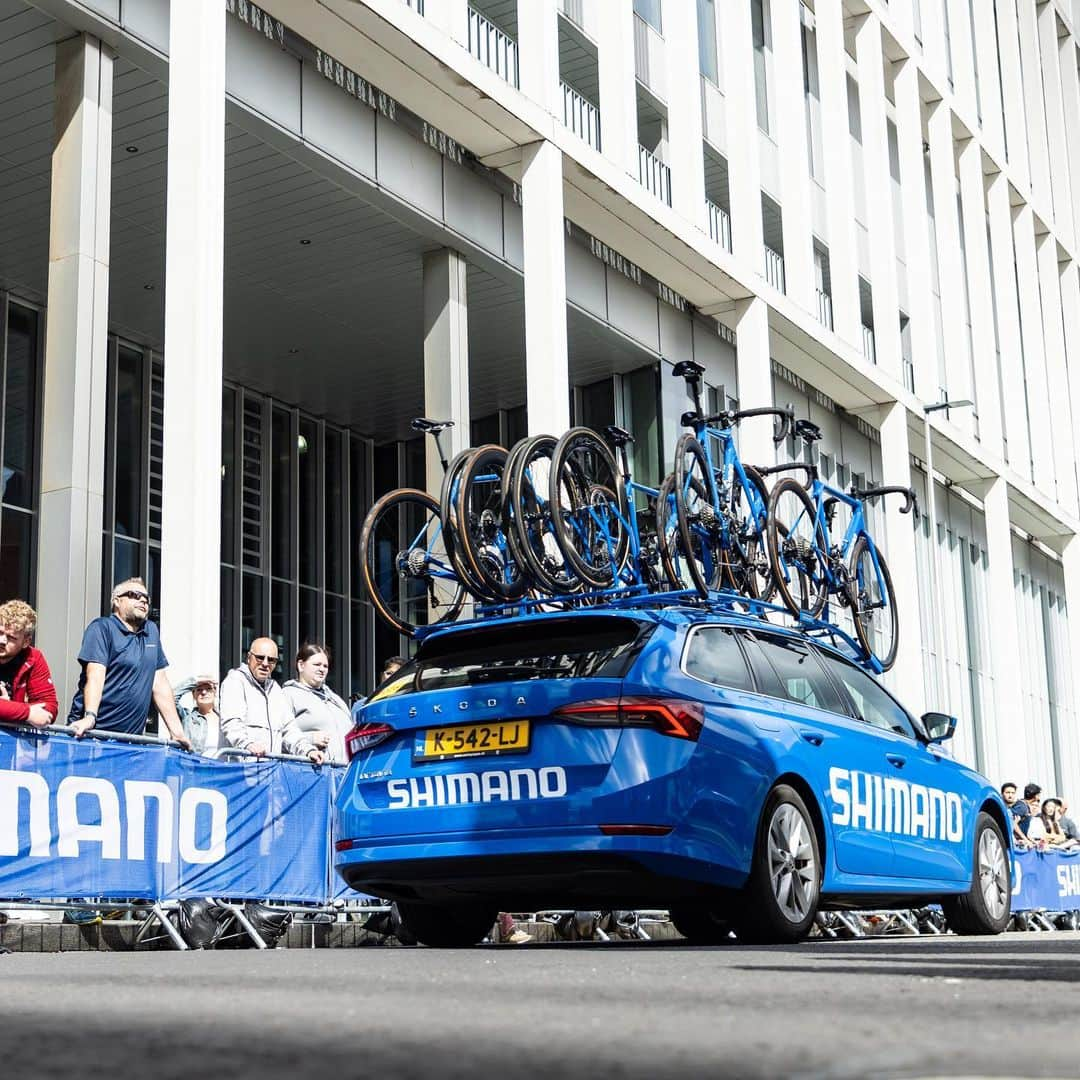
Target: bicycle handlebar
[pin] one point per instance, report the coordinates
(727, 418)
(911, 502)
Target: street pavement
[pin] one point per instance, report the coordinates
(886, 1007)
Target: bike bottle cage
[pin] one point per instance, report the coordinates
(422, 423)
(618, 436)
(910, 501)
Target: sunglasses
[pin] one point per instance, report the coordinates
(260, 659)
(134, 596)
(206, 688)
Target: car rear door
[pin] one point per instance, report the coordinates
(833, 747)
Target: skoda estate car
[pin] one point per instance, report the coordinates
(740, 775)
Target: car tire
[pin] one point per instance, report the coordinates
(780, 899)
(446, 926)
(701, 924)
(985, 908)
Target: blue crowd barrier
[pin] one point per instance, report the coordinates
(1046, 880)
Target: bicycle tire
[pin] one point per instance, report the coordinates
(530, 519)
(668, 540)
(482, 526)
(581, 463)
(864, 632)
(448, 511)
(802, 549)
(385, 563)
(746, 558)
(700, 524)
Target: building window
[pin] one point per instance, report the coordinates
(759, 18)
(20, 407)
(706, 29)
(649, 11)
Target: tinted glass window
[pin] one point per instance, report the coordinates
(871, 702)
(714, 656)
(801, 677)
(556, 649)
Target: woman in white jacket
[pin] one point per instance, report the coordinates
(322, 718)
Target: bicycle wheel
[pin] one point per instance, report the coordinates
(481, 524)
(451, 485)
(701, 527)
(746, 557)
(531, 528)
(587, 500)
(873, 603)
(405, 568)
(797, 548)
(668, 539)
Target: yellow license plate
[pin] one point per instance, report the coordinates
(473, 740)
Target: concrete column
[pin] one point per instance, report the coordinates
(538, 54)
(547, 374)
(1014, 415)
(1057, 372)
(1008, 743)
(950, 262)
(76, 331)
(1070, 104)
(980, 295)
(1034, 106)
(1070, 564)
(909, 138)
(194, 245)
(879, 207)
(1056, 139)
(839, 194)
(753, 369)
(792, 136)
(740, 113)
(906, 676)
(446, 356)
(1035, 389)
(684, 113)
(618, 89)
(986, 54)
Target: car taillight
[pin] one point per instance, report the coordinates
(676, 717)
(365, 736)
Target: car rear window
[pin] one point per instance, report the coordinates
(580, 648)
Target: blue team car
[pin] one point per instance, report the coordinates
(740, 775)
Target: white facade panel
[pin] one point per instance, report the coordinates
(337, 123)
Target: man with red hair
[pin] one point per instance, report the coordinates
(27, 694)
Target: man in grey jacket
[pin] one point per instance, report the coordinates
(255, 713)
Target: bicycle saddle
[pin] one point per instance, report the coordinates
(422, 423)
(688, 369)
(807, 430)
(618, 436)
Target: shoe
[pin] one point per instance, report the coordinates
(518, 937)
(82, 917)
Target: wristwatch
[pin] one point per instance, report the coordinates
(89, 712)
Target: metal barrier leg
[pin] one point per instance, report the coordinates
(174, 934)
(245, 922)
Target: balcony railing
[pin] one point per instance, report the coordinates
(824, 307)
(654, 175)
(581, 116)
(774, 269)
(641, 49)
(492, 47)
(868, 344)
(719, 225)
(574, 10)
(416, 5)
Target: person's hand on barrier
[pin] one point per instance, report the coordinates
(321, 739)
(183, 741)
(316, 757)
(39, 716)
(81, 727)
(258, 749)
(5, 694)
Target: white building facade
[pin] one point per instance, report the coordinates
(242, 245)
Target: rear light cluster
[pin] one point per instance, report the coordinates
(677, 717)
(364, 736)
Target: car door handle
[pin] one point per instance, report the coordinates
(896, 759)
(814, 738)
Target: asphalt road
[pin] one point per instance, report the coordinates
(875, 1008)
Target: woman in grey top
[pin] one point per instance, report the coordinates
(322, 718)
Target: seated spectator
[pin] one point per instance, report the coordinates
(1008, 793)
(321, 718)
(255, 713)
(27, 694)
(202, 722)
(1049, 820)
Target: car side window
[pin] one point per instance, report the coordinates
(713, 655)
(797, 672)
(871, 701)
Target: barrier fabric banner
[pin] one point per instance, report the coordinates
(1046, 879)
(120, 821)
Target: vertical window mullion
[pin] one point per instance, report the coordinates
(265, 559)
(320, 512)
(144, 453)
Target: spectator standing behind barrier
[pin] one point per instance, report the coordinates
(1068, 826)
(389, 670)
(203, 722)
(322, 719)
(123, 670)
(255, 713)
(27, 694)
(1029, 808)
(1008, 793)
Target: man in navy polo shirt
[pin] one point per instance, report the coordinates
(123, 668)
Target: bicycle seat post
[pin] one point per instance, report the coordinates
(439, 449)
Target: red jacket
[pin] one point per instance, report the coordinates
(32, 685)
